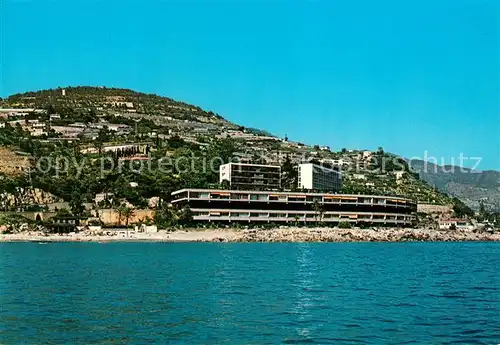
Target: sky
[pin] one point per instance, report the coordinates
(418, 78)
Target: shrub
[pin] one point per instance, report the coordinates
(344, 225)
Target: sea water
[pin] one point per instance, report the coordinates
(241, 293)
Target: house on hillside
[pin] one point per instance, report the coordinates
(455, 223)
(102, 196)
(67, 223)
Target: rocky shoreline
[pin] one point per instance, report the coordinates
(362, 235)
(289, 234)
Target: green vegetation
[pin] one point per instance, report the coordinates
(12, 135)
(167, 216)
(289, 175)
(197, 141)
(11, 218)
(379, 178)
(124, 214)
(344, 225)
(460, 209)
(319, 210)
(59, 172)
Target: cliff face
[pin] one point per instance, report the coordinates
(25, 196)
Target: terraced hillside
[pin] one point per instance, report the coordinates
(87, 121)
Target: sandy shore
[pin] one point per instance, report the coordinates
(161, 236)
(291, 234)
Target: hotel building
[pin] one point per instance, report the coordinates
(318, 178)
(251, 176)
(289, 207)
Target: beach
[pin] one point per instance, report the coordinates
(122, 236)
(285, 234)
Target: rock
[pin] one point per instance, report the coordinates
(294, 234)
(153, 202)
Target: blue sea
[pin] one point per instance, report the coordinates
(250, 293)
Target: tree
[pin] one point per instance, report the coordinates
(120, 210)
(225, 184)
(185, 216)
(344, 225)
(164, 216)
(460, 209)
(319, 210)
(89, 117)
(76, 203)
(289, 174)
(222, 149)
(63, 212)
(483, 212)
(127, 214)
(175, 142)
(103, 136)
(50, 109)
(124, 212)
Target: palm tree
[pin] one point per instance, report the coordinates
(128, 213)
(124, 212)
(121, 209)
(318, 210)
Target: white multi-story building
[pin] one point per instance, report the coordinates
(318, 178)
(251, 176)
(244, 206)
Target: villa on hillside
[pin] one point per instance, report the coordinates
(455, 223)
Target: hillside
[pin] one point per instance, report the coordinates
(472, 187)
(85, 122)
(103, 98)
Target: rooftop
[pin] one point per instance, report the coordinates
(286, 193)
(255, 165)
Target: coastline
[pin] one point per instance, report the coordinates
(289, 234)
(161, 236)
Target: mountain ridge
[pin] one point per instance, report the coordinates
(471, 186)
